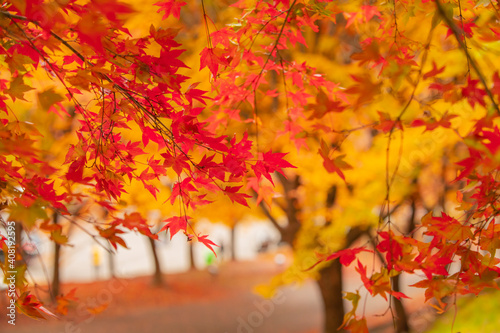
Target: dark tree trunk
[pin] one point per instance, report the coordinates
(192, 265)
(56, 278)
(330, 285)
(56, 281)
(157, 276)
(401, 319)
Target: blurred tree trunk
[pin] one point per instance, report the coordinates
(401, 320)
(111, 263)
(233, 243)
(401, 316)
(330, 285)
(157, 276)
(56, 281)
(330, 280)
(192, 264)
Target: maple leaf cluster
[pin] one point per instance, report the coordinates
(105, 86)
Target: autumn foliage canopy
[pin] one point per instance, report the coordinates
(393, 102)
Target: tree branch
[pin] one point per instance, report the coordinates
(472, 62)
(53, 34)
(270, 216)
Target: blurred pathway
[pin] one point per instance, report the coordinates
(245, 313)
(199, 303)
(233, 309)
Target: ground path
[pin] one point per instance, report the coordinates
(195, 302)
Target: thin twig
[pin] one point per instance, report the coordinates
(470, 59)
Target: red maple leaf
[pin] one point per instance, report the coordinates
(111, 235)
(347, 256)
(392, 248)
(182, 189)
(435, 265)
(207, 59)
(386, 124)
(269, 163)
(492, 141)
(150, 134)
(207, 242)
(362, 273)
(170, 7)
(434, 71)
(136, 222)
(75, 171)
(333, 165)
(496, 84)
(176, 224)
(212, 58)
(464, 25)
(473, 93)
(31, 306)
(113, 10)
(469, 164)
(369, 12)
(232, 193)
(91, 30)
(178, 162)
(432, 123)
